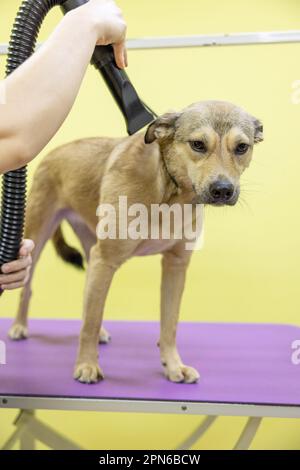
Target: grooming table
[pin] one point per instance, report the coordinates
(246, 370)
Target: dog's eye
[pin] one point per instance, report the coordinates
(198, 146)
(241, 148)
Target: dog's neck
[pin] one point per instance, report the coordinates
(173, 190)
(172, 177)
(171, 187)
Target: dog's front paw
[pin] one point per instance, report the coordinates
(88, 372)
(18, 331)
(182, 373)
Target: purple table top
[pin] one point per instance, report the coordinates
(238, 363)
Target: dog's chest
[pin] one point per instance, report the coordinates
(187, 229)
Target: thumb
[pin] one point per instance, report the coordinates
(26, 248)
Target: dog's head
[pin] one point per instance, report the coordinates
(206, 148)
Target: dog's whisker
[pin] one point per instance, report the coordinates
(248, 191)
(246, 180)
(257, 188)
(244, 204)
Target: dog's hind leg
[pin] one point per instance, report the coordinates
(174, 265)
(42, 219)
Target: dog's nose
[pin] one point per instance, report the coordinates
(221, 191)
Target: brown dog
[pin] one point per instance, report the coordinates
(195, 156)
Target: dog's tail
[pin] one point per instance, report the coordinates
(67, 253)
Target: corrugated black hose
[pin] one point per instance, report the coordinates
(22, 44)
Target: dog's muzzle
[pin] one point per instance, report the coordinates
(219, 193)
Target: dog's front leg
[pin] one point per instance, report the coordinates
(174, 265)
(99, 278)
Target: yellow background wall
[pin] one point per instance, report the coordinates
(249, 269)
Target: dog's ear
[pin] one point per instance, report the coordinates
(162, 128)
(258, 131)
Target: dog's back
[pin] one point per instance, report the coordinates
(69, 177)
(75, 170)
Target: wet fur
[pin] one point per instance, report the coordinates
(153, 167)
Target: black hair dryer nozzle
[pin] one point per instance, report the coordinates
(133, 109)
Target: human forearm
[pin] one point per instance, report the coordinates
(51, 80)
(39, 94)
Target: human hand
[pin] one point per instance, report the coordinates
(109, 25)
(16, 273)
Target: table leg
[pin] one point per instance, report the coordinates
(21, 427)
(50, 437)
(197, 433)
(27, 441)
(8, 445)
(248, 434)
(30, 429)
